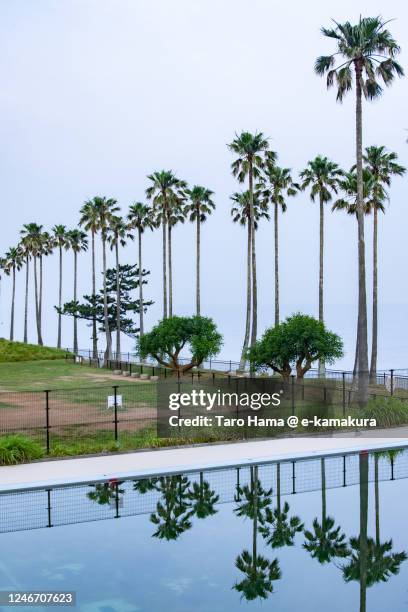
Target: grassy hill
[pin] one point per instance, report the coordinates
(18, 351)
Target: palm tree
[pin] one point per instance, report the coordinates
(369, 49)
(31, 240)
(140, 217)
(322, 176)
(26, 254)
(382, 165)
(277, 184)
(61, 242)
(251, 150)
(326, 541)
(77, 241)
(348, 202)
(200, 206)
(173, 511)
(46, 248)
(89, 220)
(176, 215)
(166, 192)
(105, 209)
(13, 260)
(241, 214)
(259, 572)
(118, 232)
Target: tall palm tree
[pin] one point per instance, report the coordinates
(78, 241)
(45, 249)
(369, 50)
(166, 191)
(105, 208)
(176, 214)
(277, 185)
(348, 202)
(241, 213)
(251, 150)
(13, 260)
(140, 218)
(382, 165)
(118, 232)
(31, 239)
(89, 220)
(200, 205)
(61, 242)
(26, 254)
(322, 176)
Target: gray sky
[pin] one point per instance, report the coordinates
(96, 94)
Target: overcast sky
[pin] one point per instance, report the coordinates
(96, 94)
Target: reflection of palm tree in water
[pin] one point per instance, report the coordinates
(203, 498)
(259, 572)
(106, 492)
(326, 541)
(278, 529)
(371, 560)
(173, 511)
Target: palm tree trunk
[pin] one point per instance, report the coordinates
(278, 487)
(253, 253)
(13, 297)
(164, 222)
(108, 350)
(276, 229)
(362, 295)
(26, 300)
(59, 298)
(37, 312)
(255, 521)
(322, 367)
(94, 330)
(198, 296)
(75, 299)
(118, 351)
(243, 360)
(141, 313)
(170, 273)
(40, 301)
(374, 346)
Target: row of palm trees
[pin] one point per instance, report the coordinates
(171, 202)
(367, 54)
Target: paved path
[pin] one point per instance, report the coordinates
(91, 469)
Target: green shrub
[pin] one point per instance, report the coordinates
(16, 448)
(387, 411)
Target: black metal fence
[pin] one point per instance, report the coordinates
(70, 504)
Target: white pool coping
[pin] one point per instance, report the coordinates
(68, 472)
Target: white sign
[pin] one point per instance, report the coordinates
(111, 401)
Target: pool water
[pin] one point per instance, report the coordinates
(192, 547)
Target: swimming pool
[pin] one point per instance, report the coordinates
(313, 535)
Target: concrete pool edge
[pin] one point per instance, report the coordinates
(70, 472)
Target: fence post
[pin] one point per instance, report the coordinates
(293, 478)
(344, 471)
(47, 419)
(130, 368)
(344, 391)
(49, 507)
(213, 378)
(115, 392)
(392, 382)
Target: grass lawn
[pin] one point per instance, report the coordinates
(54, 374)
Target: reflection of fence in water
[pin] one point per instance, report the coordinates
(34, 509)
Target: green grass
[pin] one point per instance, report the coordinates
(54, 374)
(16, 448)
(19, 351)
